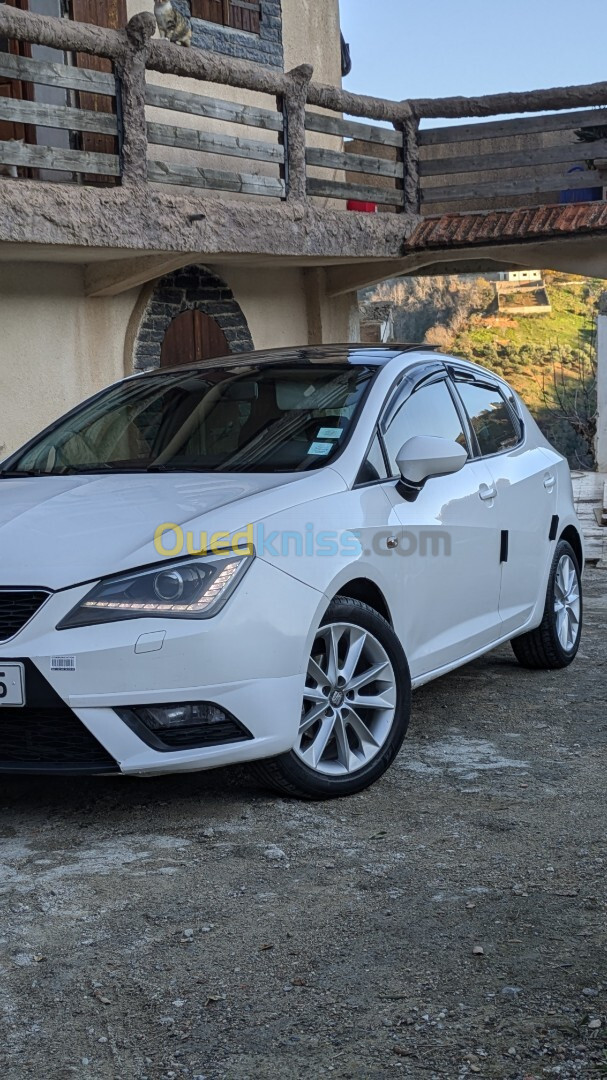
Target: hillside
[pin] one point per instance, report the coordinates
(548, 358)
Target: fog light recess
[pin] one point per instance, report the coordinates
(183, 726)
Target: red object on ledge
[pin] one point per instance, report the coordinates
(362, 207)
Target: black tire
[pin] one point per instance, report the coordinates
(541, 648)
(289, 775)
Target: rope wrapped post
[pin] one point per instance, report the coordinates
(295, 101)
(139, 31)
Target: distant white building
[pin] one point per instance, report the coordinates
(519, 275)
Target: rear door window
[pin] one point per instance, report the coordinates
(490, 418)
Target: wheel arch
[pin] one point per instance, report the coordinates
(366, 590)
(572, 536)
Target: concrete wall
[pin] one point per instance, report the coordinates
(57, 346)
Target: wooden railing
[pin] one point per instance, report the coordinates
(524, 162)
(285, 137)
(26, 113)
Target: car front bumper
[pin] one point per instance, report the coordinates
(249, 660)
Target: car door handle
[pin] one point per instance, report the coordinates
(549, 481)
(487, 493)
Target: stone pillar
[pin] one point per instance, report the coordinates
(601, 379)
(295, 101)
(140, 30)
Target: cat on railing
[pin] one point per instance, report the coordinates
(172, 24)
(11, 170)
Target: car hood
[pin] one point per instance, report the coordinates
(57, 531)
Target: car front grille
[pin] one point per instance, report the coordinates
(17, 607)
(46, 740)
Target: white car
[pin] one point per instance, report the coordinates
(256, 559)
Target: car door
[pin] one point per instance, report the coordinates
(449, 570)
(526, 495)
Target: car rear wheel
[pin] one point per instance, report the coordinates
(356, 707)
(555, 642)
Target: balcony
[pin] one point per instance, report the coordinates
(124, 149)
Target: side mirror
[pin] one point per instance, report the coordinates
(425, 456)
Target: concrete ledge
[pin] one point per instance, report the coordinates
(144, 218)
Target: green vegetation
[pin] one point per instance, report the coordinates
(548, 358)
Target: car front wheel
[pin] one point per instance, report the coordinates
(555, 642)
(356, 707)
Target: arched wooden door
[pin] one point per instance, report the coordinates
(191, 337)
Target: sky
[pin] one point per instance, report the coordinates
(435, 48)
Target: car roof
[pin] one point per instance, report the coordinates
(314, 355)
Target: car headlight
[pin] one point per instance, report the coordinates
(191, 589)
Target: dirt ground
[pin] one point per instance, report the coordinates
(448, 923)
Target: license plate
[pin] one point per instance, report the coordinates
(12, 684)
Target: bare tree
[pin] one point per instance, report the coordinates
(572, 395)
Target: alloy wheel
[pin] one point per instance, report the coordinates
(349, 701)
(567, 603)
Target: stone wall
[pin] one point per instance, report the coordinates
(191, 287)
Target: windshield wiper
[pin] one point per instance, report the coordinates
(17, 473)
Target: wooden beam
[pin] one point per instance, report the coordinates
(61, 34)
(356, 163)
(526, 101)
(213, 108)
(210, 143)
(332, 189)
(496, 188)
(165, 172)
(46, 74)
(514, 159)
(119, 275)
(48, 157)
(351, 129)
(497, 129)
(57, 116)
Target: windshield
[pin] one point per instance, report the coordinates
(260, 419)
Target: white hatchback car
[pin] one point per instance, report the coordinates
(256, 559)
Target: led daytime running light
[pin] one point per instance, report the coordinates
(216, 587)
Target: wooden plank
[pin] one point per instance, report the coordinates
(47, 157)
(332, 189)
(70, 78)
(192, 139)
(57, 116)
(495, 188)
(334, 125)
(553, 155)
(164, 172)
(358, 163)
(527, 125)
(213, 108)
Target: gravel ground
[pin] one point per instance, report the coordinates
(448, 923)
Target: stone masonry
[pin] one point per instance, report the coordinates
(191, 287)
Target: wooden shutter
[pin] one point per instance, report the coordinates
(245, 15)
(192, 336)
(210, 10)
(240, 14)
(17, 91)
(111, 14)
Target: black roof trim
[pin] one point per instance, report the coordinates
(351, 353)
